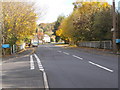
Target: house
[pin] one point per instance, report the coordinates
(35, 39)
(46, 38)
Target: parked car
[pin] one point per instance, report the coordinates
(35, 44)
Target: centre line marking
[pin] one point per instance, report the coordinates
(77, 57)
(59, 51)
(31, 63)
(101, 66)
(66, 53)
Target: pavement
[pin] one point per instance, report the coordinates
(26, 51)
(16, 72)
(95, 51)
(51, 66)
(90, 50)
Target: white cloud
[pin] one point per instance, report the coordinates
(54, 8)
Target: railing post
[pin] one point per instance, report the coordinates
(110, 45)
(11, 49)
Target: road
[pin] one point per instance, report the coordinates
(57, 67)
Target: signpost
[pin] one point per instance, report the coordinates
(117, 41)
(6, 46)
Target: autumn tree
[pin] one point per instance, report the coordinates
(88, 21)
(19, 21)
(56, 26)
(67, 30)
(85, 18)
(1, 20)
(102, 25)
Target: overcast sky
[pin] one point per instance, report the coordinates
(53, 8)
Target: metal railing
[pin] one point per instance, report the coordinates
(96, 44)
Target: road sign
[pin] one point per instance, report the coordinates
(117, 40)
(6, 46)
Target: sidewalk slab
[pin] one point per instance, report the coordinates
(18, 74)
(94, 50)
(27, 51)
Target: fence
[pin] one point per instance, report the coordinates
(14, 49)
(96, 44)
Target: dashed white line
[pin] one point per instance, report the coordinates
(101, 66)
(66, 53)
(77, 57)
(59, 51)
(31, 63)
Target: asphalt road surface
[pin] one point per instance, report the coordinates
(57, 67)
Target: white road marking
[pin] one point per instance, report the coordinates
(43, 71)
(66, 53)
(59, 51)
(77, 57)
(39, 62)
(31, 63)
(101, 66)
(45, 81)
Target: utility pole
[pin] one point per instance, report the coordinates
(114, 28)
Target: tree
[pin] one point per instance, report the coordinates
(102, 26)
(87, 22)
(57, 24)
(68, 32)
(19, 21)
(85, 18)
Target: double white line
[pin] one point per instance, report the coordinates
(40, 68)
(39, 63)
